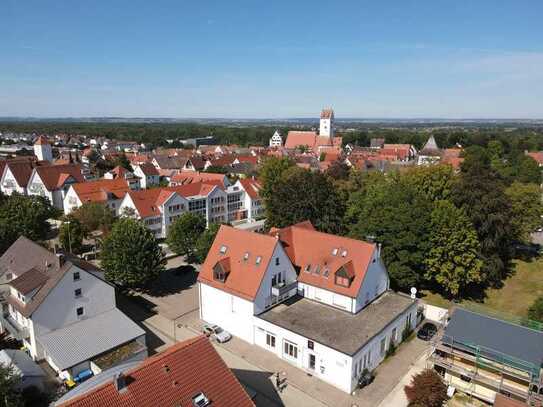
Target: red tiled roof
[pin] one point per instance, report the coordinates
(536, 155)
(301, 138)
(308, 247)
(99, 190)
(147, 201)
(148, 169)
(196, 188)
(252, 187)
(54, 176)
(189, 177)
(245, 275)
(250, 159)
(171, 379)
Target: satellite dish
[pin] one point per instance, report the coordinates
(413, 292)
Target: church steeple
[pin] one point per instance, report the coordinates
(327, 123)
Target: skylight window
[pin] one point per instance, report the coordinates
(258, 260)
(334, 252)
(317, 269)
(307, 268)
(246, 256)
(325, 272)
(223, 249)
(344, 253)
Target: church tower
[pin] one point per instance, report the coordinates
(42, 149)
(326, 128)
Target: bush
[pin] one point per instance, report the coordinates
(535, 312)
(426, 389)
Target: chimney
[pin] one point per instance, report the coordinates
(378, 250)
(120, 382)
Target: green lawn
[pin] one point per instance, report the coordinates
(514, 298)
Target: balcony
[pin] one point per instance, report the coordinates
(283, 288)
(16, 330)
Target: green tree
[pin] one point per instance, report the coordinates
(426, 390)
(394, 213)
(131, 256)
(24, 216)
(217, 169)
(271, 171)
(123, 161)
(184, 233)
(453, 261)
(434, 181)
(527, 170)
(535, 312)
(480, 192)
(526, 208)
(204, 242)
(94, 216)
(304, 195)
(338, 170)
(71, 235)
(9, 380)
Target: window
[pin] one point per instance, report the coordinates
(258, 260)
(270, 340)
(344, 281)
(310, 344)
(77, 292)
(277, 261)
(383, 346)
(79, 311)
(307, 268)
(334, 252)
(394, 335)
(77, 276)
(290, 350)
(344, 253)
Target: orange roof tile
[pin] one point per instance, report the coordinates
(171, 379)
(147, 201)
(245, 275)
(99, 190)
(308, 247)
(54, 176)
(189, 177)
(300, 138)
(42, 140)
(252, 187)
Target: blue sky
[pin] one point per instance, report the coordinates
(200, 58)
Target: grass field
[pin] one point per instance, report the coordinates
(515, 297)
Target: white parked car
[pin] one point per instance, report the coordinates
(216, 332)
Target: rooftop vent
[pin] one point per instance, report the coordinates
(200, 400)
(223, 249)
(246, 256)
(258, 260)
(120, 382)
(334, 252)
(166, 368)
(344, 253)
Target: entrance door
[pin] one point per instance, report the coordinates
(312, 361)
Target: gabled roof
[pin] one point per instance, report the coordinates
(147, 201)
(29, 281)
(189, 177)
(21, 170)
(245, 274)
(171, 379)
(320, 255)
(165, 162)
(252, 187)
(54, 176)
(24, 255)
(300, 138)
(100, 190)
(148, 169)
(430, 148)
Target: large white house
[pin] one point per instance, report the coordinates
(319, 301)
(64, 312)
(53, 182)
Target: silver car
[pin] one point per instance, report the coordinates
(217, 333)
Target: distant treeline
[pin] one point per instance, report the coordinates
(156, 134)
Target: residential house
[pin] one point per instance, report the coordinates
(147, 174)
(188, 374)
(14, 176)
(108, 192)
(321, 302)
(53, 182)
(430, 153)
(122, 173)
(64, 312)
(189, 177)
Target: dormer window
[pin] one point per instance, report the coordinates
(307, 268)
(317, 269)
(343, 281)
(223, 249)
(221, 270)
(344, 275)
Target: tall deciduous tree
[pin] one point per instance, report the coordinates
(526, 208)
(426, 390)
(9, 380)
(481, 193)
(184, 233)
(24, 216)
(394, 213)
(204, 242)
(270, 172)
(434, 181)
(304, 195)
(131, 256)
(94, 216)
(71, 235)
(453, 261)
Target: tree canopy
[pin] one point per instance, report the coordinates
(300, 195)
(204, 242)
(526, 208)
(94, 216)
(426, 390)
(71, 235)
(131, 256)
(183, 234)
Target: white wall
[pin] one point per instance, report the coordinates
(330, 365)
(375, 282)
(230, 312)
(9, 179)
(263, 296)
(327, 297)
(71, 201)
(59, 307)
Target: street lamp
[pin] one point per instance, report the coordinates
(69, 237)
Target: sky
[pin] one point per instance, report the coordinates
(272, 59)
